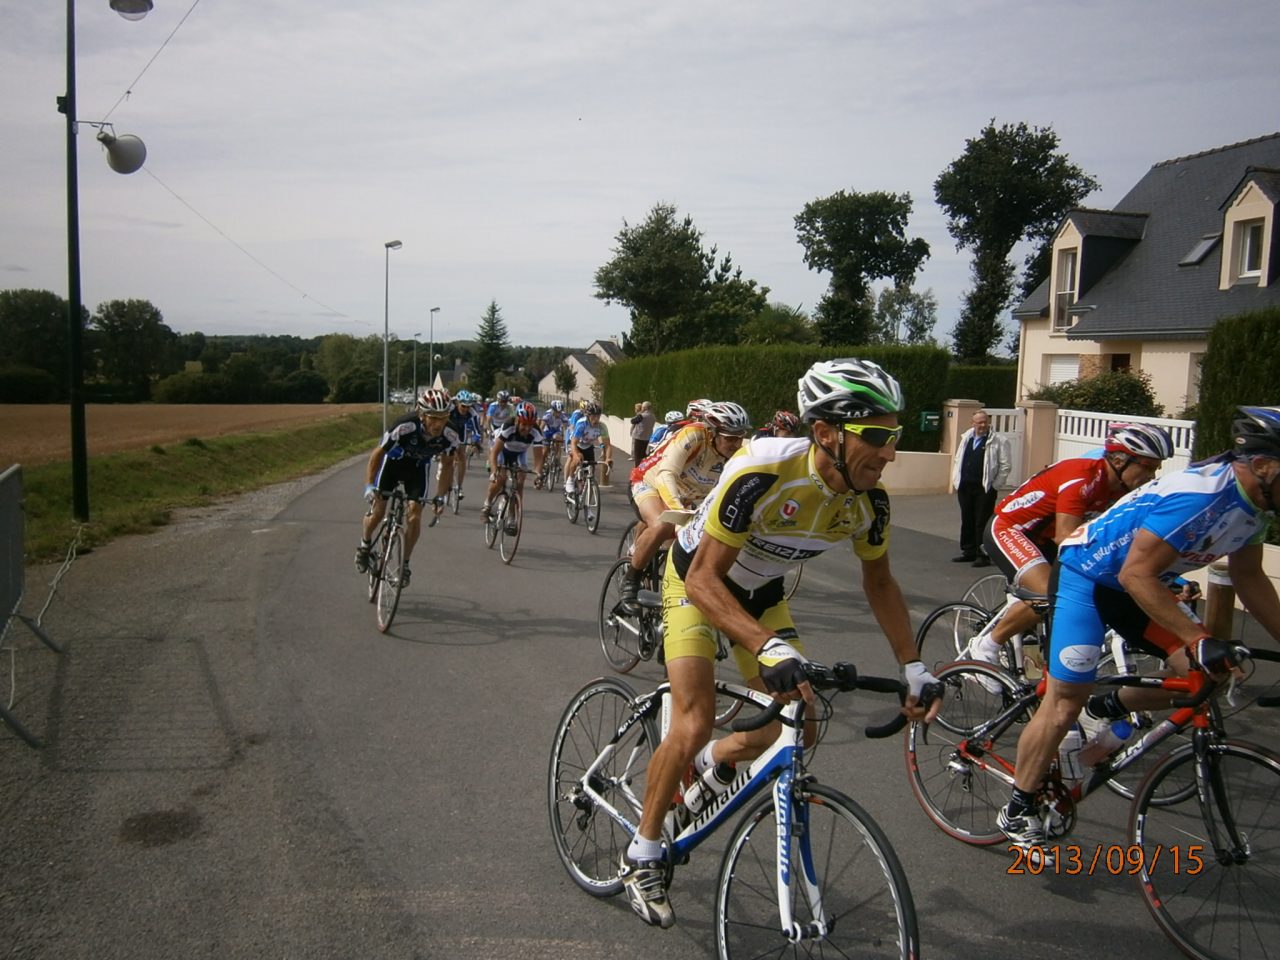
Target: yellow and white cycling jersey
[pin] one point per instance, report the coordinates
(682, 469)
(771, 503)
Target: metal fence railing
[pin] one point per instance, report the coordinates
(13, 580)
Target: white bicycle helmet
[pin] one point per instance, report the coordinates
(849, 389)
(672, 416)
(434, 400)
(696, 409)
(727, 417)
(1139, 440)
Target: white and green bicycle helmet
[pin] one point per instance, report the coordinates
(849, 389)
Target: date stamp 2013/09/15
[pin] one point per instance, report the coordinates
(1072, 860)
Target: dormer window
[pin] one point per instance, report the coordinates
(1065, 288)
(1250, 249)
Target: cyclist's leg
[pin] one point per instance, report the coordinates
(415, 490)
(1123, 614)
(653, 534)
(496, 479)
(1022, 563)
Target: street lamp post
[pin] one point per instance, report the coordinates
(386, 315)
(415, 365)
(431, 359)
(125, 155)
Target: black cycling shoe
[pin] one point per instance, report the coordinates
(362, 559)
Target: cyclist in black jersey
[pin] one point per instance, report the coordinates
(404, 455)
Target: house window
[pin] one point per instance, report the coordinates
(1064, 289)
(1063, 367)
(1120, 363)
(1250, 247)
(1200, 250)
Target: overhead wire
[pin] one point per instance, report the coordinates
(213, 226)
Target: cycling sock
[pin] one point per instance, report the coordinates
(641, 849)
(1106, 706)
(703, 759)
(1021, 803)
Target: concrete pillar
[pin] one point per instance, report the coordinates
(1041, 437)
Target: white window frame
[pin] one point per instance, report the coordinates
(1065, 286)
(1250, 236)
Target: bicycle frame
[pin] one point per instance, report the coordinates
(782, 762)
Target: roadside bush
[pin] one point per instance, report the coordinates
(192, 388)
(356, 386)
(993, 386)
(1241, 367)
(763, 379)
(27, 385)
(301, 386)
(1113, 392)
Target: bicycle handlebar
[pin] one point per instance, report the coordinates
(1207, 690)
(843, 676)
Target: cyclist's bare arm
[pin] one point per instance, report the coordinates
(889, 607)
(1149, 556)
(1254, 588)
(1064, 524)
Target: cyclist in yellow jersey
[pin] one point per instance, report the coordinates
(779, 502)
(677, 476)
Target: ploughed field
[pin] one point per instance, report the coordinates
(41, 433)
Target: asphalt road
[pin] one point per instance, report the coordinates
(239, 765)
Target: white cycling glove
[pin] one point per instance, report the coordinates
(370, 492)
(781, 666)
(916, 675)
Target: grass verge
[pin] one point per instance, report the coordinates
(137, 491)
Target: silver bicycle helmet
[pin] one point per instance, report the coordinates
(727, 417)
(1139, 440)
(672, 416)
(847, 389)
(434, 400)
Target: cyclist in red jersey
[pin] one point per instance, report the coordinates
(1023, 535)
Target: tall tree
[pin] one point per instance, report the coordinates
(34, 333)
(904, 315)
(857, 238)
(1010, 184)
(566, 379)
(778, 323)
(678, 293)
(133, 344)
(490, 357)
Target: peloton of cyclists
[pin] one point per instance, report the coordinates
(777, 503)
(1114, 572)
(404, 455)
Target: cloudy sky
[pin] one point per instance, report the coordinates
(506, 142)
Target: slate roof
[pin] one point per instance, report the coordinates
(610, 349)
(1144, 293)
(590, 362)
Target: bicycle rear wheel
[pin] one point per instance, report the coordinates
(496, 508)
(592, 505)
(864, 906)
(392, 580)
(511, 522)
(588, 841)
(945, 634)
(958, 783)
(621, 634)
(1209, 871)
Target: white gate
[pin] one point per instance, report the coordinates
(1080, 432)
(1010, 423)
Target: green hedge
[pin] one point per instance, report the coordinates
(1241, 367)
(993, 386)
(763, 379)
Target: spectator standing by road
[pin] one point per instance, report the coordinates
(641, 430)
(980, 467)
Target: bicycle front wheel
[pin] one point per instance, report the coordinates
(592, 504)
(572, 503)
(512, 520)
(945, 634)
(989, 592)
(849, 894)
(958, 779)
(491, 524)
(589, 842)
(455, 493)
(392, 580)
(1210, 872)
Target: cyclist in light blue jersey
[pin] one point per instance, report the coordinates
(1114, 572)
(499, 414)
(584, 437)
(669, 420)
